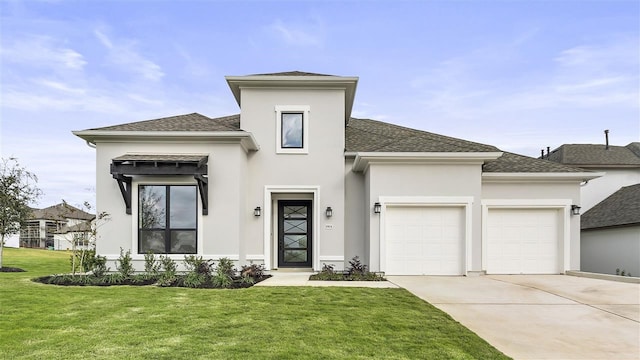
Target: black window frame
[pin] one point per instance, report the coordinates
(282, 114)
(167, 228)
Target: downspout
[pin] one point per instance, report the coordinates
(91, 144)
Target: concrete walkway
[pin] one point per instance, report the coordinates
(540, 316)
(302, 279)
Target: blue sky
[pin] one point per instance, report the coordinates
(520, 75)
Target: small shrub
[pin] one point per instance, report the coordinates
(356, 267)
(151, 265)
(99, 266)
(168, 276)
(198, 265)
(254, 271)
(124, 264)
(224, 273)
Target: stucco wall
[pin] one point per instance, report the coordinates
(604, 251)
(356, 211)
(436, 180)
(218, 232)
(568, 192)
(321, 167)
(599, 189)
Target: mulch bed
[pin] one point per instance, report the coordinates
(11, 269)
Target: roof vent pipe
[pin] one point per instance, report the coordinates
(548, 149)
(541, 153)
(606, 138)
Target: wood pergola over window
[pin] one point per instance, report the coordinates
(128, 165)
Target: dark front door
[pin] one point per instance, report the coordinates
(294, 233)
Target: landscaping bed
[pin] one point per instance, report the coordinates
(162, 271)
(355, 272)
(11, 269)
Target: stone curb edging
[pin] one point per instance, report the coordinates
(625, 279)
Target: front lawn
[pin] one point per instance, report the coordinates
(40, 321)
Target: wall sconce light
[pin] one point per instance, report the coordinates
(257, 211)
(329, 211)
(575, 210)
(377, 207)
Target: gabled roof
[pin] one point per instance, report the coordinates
(620, 209)
(514, 163)
(84, 226)
(597, 154)
(365, 135)
(188, 122)
(61, 211)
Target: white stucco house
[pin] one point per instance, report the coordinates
(293, 181)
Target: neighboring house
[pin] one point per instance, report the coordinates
(77, 236)
(609, 239)
(611, 234)
(39, 231)
(294, 181)
(621, 165)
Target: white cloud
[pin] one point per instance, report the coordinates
(126, 58)
(41, 51)
(307, 34)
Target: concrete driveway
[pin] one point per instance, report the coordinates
(540, 316)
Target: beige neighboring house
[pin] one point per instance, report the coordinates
(610, 204)
(49, 227)
(294, 181)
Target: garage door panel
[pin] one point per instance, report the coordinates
(424, 240)
(522, 241)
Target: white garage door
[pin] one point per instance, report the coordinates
(522, 241)
(424, 240)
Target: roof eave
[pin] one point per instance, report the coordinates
(348, 83)
(246, 139)
(540, 176)
(364, 159)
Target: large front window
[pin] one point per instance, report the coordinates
(167, 221)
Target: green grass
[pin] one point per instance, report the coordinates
(40, 321)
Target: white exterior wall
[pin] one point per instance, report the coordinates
(599, 189)
(605, 250)
(534, 193)
(219, 232)
(356, 211)
(423, 180)
(322, 168)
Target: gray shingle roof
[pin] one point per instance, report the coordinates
(291, 73)
(365, 135)
(596, 154)
(81, 227)
(188, 122)
(60, 212)
(619, 209)
(514, 163)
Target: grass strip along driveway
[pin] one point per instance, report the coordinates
(40, 321)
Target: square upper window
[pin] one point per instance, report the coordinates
(292, 129)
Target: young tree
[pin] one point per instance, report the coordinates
(18, 189)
